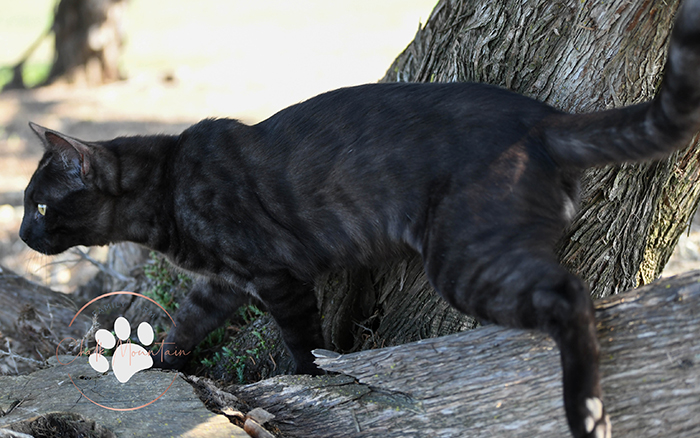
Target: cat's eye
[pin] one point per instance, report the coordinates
(41, 208)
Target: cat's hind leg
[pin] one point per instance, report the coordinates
(501, 282)
(292, 304)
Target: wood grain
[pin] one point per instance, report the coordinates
(506, 383)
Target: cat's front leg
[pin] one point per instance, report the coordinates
(291, 303)
(205, 308)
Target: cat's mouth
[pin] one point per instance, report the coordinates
(38, 243)
(42, 247)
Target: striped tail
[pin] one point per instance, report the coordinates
(640, 132)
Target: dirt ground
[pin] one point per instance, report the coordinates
(144, 105)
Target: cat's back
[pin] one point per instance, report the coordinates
(387, 115)
(364, 102)
(414, 117)
(398, 133)
(356, 169)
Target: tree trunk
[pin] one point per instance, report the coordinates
(579, 57)
(497, 382)
(89, 38)
(388, 305)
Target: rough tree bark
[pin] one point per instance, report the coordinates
(578, 56)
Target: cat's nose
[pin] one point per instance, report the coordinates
(24, 232)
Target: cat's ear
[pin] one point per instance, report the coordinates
(69, 148)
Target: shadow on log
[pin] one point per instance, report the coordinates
(498, 382)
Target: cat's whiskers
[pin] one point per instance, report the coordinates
(35, 265)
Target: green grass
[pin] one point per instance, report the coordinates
(21, 24)
(167, 284)
(233, 361)
(33, 73)
(36, 72)
(5, 76)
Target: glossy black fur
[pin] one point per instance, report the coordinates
(478, 180)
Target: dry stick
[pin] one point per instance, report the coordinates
(102, 267)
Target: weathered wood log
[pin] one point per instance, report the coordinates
(33, 321)
(71, 390)
(496, 382)
(487, 382)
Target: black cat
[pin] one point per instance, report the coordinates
(478, 180)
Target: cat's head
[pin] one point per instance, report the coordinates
(67, 201)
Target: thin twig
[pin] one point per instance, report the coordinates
(101, 266)
(14, 356)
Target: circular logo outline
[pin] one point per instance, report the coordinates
(78, 314)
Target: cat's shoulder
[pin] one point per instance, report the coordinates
(214, 126)
(216, 131)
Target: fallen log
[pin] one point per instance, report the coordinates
(52, 402)
(496, 382)
(482, 383)
(33, 321)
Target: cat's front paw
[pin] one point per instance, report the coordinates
(169, 356)
(597, 421)
(169, 362)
